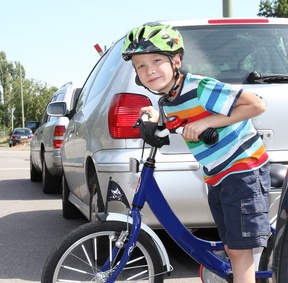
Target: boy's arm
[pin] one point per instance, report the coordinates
(247, 106)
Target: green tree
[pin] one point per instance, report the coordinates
(13, 85)
(36, 97)
(273, 8)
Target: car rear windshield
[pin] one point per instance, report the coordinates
(230, 53)
(23, 132)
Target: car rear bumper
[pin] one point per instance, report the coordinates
(54, 162)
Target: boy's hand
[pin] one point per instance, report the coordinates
(193, 130)
(153, 113)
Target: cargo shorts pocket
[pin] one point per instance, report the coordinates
(254, 217)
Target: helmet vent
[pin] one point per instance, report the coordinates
(152, 34)
(140, 34)
(130, 37)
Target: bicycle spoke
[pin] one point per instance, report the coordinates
(94, 256)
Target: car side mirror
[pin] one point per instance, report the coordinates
(57, 109)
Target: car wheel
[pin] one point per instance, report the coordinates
(50, 184)
(35, 176)
(69, 211)
(96, 201)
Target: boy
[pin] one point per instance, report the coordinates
(236, 169)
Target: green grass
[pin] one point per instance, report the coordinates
(4, 141)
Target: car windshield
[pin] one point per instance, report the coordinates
(23, 132)
(231, 52)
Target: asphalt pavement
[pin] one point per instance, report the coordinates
(31, 223)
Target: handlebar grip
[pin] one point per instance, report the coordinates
(210, 136)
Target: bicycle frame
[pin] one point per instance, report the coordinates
(202, 251)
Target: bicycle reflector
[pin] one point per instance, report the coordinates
(123, 112)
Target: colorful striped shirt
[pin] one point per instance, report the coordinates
(239, 148)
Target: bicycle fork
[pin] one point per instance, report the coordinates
(128, 248)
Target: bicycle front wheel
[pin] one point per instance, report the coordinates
(80, 256)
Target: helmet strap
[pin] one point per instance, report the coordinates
(174, 88)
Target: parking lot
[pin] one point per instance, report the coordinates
(31, 223)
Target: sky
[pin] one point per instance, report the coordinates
(54, 39)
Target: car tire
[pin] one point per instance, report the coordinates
(50, 184)
(96, 202)
(69, 211)
(35, 176)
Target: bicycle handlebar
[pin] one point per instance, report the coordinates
(174, 125)
(210, 136)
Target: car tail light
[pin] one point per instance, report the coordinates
(123, 113)
(59, 132)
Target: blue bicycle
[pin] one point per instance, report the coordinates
(121, 248)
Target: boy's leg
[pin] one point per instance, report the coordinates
(240, 209)
(242, 265)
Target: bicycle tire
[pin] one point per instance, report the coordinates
(72, 258)
(266, 259)
(207, 276)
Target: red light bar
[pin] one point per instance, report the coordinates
(239, 21)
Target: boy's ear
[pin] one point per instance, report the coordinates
(177, 61)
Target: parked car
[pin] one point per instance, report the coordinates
(45, 159)
(280, 252)
(99, 139)
(19, 135)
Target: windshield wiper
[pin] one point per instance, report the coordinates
(260, 78)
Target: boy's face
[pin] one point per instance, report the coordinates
(155, 71)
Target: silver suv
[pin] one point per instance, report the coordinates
(100, 139)
(45, 159)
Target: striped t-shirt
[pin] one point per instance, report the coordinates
(239, 148)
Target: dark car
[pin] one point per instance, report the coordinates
(19, 135)
(280, 253)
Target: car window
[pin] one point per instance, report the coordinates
(28, 132)
(107, 71)
(85, 90)
(44, 117)
(59, 96)
(101, 75)
(23, 132)
(230, 53)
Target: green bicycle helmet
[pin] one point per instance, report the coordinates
(153, 38)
